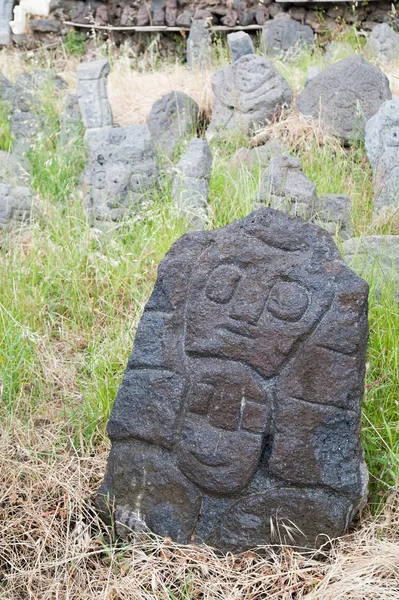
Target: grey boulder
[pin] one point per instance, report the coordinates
(191, 182)
(122, 169)
(345, 95)
(382, 147)
(14, 170)
(285, 187)
(237, 422)
(15, 206)
(25, 127)
(71, 119)
(383, 44)
(173, 117)
(199, 45)
(240, 44)
(285, 36)
(334, 212)
(6, 8)
(248, 94)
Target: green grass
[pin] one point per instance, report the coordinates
(71, 297)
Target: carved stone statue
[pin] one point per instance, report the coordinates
(92, 93)
(382, 145)
(237, 421)
(6, 9)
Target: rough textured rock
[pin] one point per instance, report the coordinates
(383, 43)
(247, 94)
(285, 187)
(240, 44)
(191, 182)
(285, 36)
(334, 211)
(25, 128)
(14, 170)
(6, 8)
(71, 119)
(239, 411)
(199, 45)
(91, 89)
(259, 156)
(311, 73)
(15, 206)
(122, 169)
(45, 25)
(345, 95)
(172, 118)
(382, 146)
(26, 120)
(376, 258)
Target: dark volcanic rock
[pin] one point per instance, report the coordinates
(122, 169)
(240, 44)
(345, 95)
(284, 36)
(382, 143)
(173, 117)
(239, 411)
(285, 187)
(247, 94)
(199, 45)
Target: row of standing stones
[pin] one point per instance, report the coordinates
(237, 422)
(350, 96)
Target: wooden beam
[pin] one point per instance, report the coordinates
(159, 28)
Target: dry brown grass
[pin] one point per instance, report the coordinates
(132, 93)
(54, 547)
(297, 132)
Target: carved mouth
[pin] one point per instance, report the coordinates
(241, 330)
(209, 460)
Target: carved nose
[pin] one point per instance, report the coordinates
(248, 302)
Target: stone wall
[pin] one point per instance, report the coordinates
(180, 13)
(325, 19)
(174, 13)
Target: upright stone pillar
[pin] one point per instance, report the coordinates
(92, 94)
(6, 7)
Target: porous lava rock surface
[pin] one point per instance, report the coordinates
(345, 95)
(247, 94)
(173, 117)
(382, 147)
(283, 35)
(239, 411)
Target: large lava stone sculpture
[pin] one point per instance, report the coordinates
(247, 95)
(345, 95)
(237, 421)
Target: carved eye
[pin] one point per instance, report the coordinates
(222, 283)
(288, 301)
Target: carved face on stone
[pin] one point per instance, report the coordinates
(249, 306)
(244, 307)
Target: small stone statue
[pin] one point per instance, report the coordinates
(92, 93)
